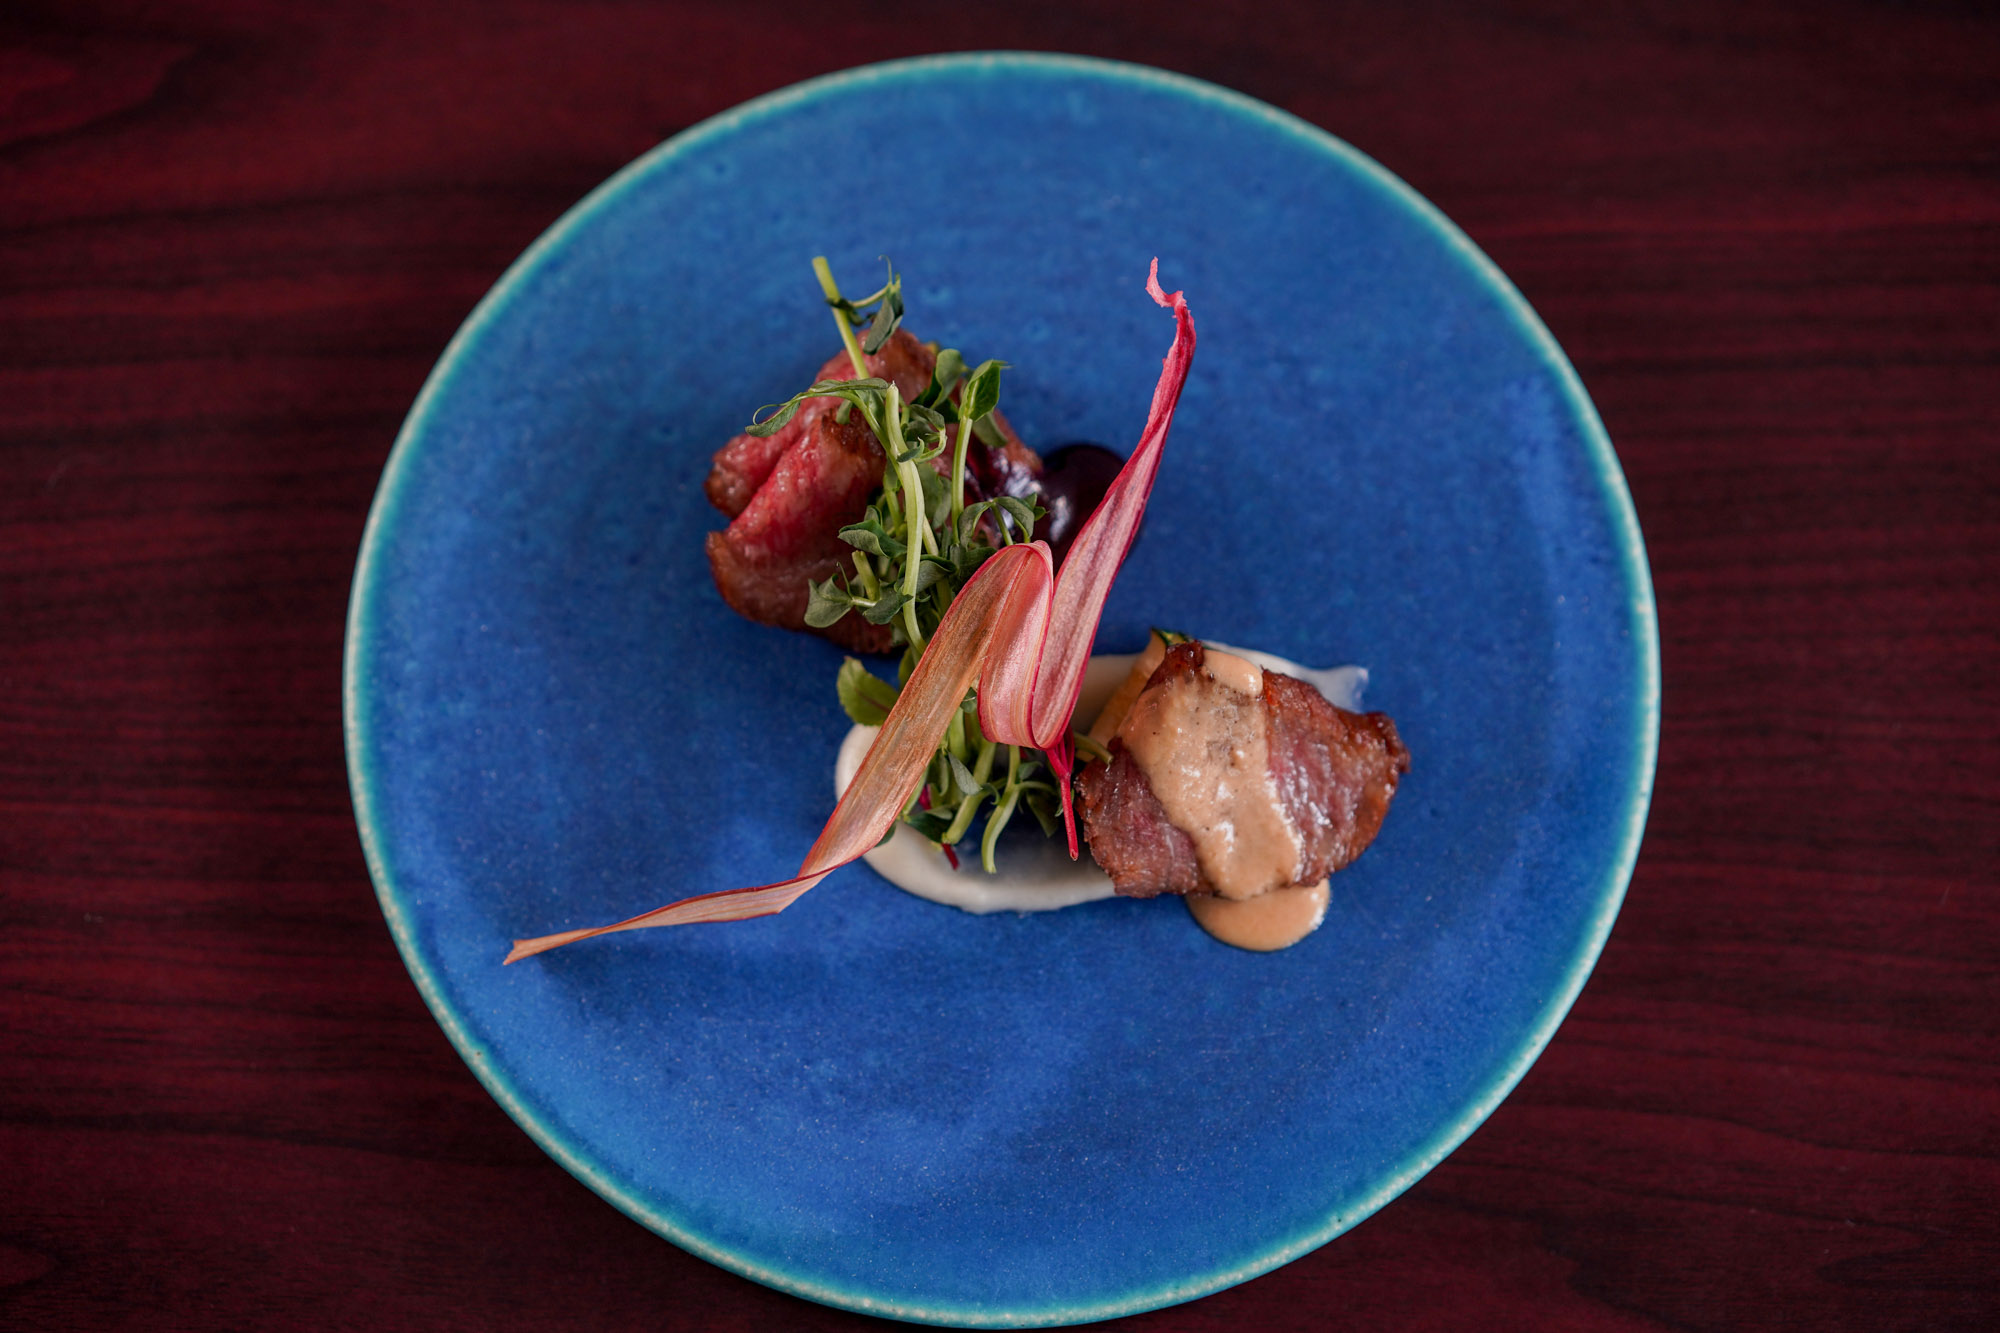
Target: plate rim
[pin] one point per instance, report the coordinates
(1643, 626)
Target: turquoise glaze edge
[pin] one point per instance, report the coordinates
(1642, 625)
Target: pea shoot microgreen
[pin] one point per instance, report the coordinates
(914, 547)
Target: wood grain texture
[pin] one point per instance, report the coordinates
(235, 238)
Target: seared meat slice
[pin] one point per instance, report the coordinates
(789, 533)
(1333, 772)
(746, 462)
(790, 493)
(1129, 833)
(742, 465)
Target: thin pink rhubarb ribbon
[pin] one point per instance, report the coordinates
(1019, 631)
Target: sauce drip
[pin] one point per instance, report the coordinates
(1205, 750)
(1274, 920)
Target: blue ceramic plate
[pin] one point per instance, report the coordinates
(896, 1107)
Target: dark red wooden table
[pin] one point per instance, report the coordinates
(234, 237)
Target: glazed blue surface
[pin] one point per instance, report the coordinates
(871, 1100)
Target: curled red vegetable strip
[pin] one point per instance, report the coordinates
(1022, 633)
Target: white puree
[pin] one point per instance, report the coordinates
(1037, 875)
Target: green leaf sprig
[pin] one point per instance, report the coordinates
(915, 546)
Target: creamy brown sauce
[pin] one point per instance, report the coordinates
(1112, 715)
(1274, 920)
(1239, 674)
(1206, 755)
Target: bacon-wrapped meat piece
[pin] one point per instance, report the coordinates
(1229, 780)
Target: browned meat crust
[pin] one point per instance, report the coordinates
(789, 532)
(1335, 772)
(744, 464)
(789, 494)
(1129, 832)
